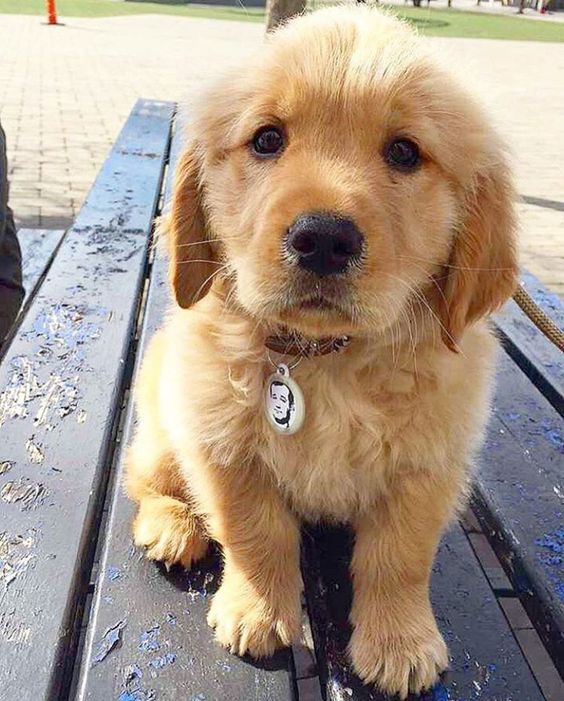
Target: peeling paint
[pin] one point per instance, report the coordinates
(21, 388)
(16, 555)
(59, 398)
(113, 573)
(64, 326)
(137, 695)
(59, 331)
(13, 631)
(552, 558)
(133, 690)
(148, 640)
(6, 466)
(30, 494)
(132, 673)
(110, 640)
(34, 451)
(163, 661)
(438, 693)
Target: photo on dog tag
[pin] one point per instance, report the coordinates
(284, 402)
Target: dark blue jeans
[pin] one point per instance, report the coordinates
(11, 288)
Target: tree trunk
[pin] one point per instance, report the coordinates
(278, 11)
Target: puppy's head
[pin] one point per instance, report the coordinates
(340, 179)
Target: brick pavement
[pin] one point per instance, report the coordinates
(65, 91)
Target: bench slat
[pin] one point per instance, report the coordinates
(520, 498)
(538, 357)
(486, 660)
(38, 249)
(60, 391)
(166, 648)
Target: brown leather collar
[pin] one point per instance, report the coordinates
(290, 344)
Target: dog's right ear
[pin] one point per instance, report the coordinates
(191, 256)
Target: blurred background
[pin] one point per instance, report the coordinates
(66, 89)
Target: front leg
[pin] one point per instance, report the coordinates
(395, 642)
(257, 607)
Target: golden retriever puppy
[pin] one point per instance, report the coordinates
(343, 211)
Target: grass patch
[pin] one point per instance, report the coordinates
(116, 8)
(454, 23)
(447, 23)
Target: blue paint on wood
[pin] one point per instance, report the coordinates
(163, 661)
(137, 695)
(438, 693)
(133, 689)
(553, 435)
(149, 639)
(552, 558)
(113, 573)
(109, 641)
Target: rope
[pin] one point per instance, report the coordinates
(539, 318)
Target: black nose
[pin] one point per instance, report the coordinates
(325, 243)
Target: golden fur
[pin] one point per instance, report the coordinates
(393, 422)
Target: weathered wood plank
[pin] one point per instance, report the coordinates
(520, 497)
(538, 357)
(60, 392)
(486, 662)
(165, 647)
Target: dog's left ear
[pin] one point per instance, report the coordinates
(482, 271)
(192, 260)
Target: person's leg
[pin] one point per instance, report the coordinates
(11, 289)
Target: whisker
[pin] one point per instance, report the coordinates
(212, 240)
(414, 291)
(209, 279)
(453, 267)
(199, 260)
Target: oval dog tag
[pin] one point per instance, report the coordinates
(284, 404)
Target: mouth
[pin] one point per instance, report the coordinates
(331, 295)
(317, 303)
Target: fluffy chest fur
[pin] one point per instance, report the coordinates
(366, 418)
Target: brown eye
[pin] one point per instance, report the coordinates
(403, 154)
(268, 141)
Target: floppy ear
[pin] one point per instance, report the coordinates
(191, 255)
(482, 270)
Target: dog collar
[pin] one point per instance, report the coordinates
(290, 344)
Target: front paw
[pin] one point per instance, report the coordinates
(401, 662)
(245, 623)
(169, 532)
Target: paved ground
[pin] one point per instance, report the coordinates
(65, 91)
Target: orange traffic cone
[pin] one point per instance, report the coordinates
(51, 12)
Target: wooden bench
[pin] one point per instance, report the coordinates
(84, 616)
